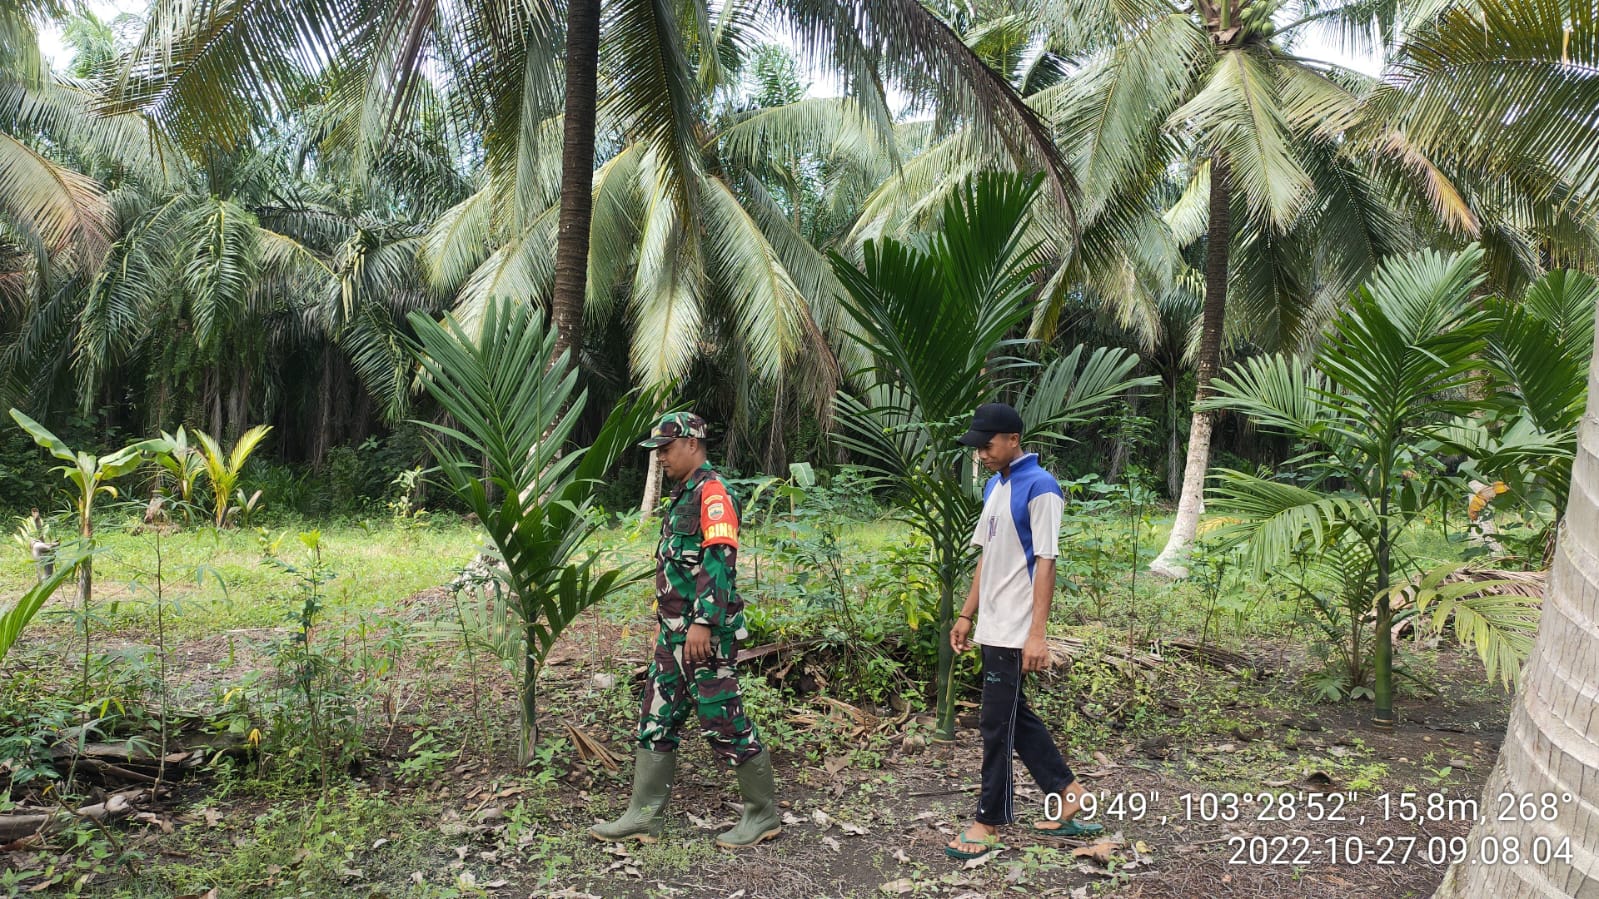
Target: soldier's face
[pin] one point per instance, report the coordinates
(679, 457)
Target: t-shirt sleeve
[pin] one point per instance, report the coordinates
(1044, 511)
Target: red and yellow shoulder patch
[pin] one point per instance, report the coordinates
(718, 518)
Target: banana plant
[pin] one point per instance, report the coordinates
(222, 470)
(17, 617)
(92, 476)
(511, 459)
(184, 463)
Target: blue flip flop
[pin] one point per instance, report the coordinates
(989, 845)
(1067, 830)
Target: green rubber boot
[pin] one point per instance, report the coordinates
(760, 821)
(645, 817)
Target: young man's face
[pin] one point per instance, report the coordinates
(679, 457)
(1000, 451)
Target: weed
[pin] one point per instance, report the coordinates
(426, 760)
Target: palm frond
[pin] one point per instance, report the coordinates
(457, 243)
(1076, 388)
(768, 307)
(1279, 392)
(63, 110)
(614, 229)
(1504, 83)
(1239, 113)
(64, 212)
(203, 71)
(222, 271)
(653, 95)
(927, 57)
(1276, 518)
(667, 301)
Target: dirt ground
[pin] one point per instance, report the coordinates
(874, 833)
(856, 832)
(1286, 800)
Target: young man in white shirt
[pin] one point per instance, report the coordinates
(1019, 533)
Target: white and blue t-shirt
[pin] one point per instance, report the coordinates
(1019, 525)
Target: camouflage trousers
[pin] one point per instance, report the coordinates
(711, 688)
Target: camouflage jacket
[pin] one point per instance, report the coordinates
(696, 561)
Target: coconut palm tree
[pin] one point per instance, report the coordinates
(1297, 166)
(1299, 174)
(230, 266)
(205, 66)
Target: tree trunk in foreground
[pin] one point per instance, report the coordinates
(1192, 501)
(1551, 748)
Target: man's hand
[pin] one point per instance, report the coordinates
(960, 635)
(697, 648)
(1035, 654)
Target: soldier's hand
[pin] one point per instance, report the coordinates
(697, 648)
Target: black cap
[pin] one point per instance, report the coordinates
(991, 419)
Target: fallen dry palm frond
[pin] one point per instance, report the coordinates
(1064, 650)
(1211, 656)
(591, 750)
(857, 722)
(1494, 612)
(1526, 584)
(1503, 583)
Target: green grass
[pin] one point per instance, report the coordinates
(216, 580)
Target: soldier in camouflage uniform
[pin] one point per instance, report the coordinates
(701, 621)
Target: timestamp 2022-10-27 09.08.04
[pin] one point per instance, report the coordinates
(1353, 810)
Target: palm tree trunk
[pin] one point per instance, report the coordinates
(1191, 502)
(238, 401)
(529, 738)
(1551, 746)
(1382, 658)
(322, 438)
(1174, 443)
(214, 399)
(945, 728)
(652, 486)
(577, 173)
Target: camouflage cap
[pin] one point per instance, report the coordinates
(672, 426)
